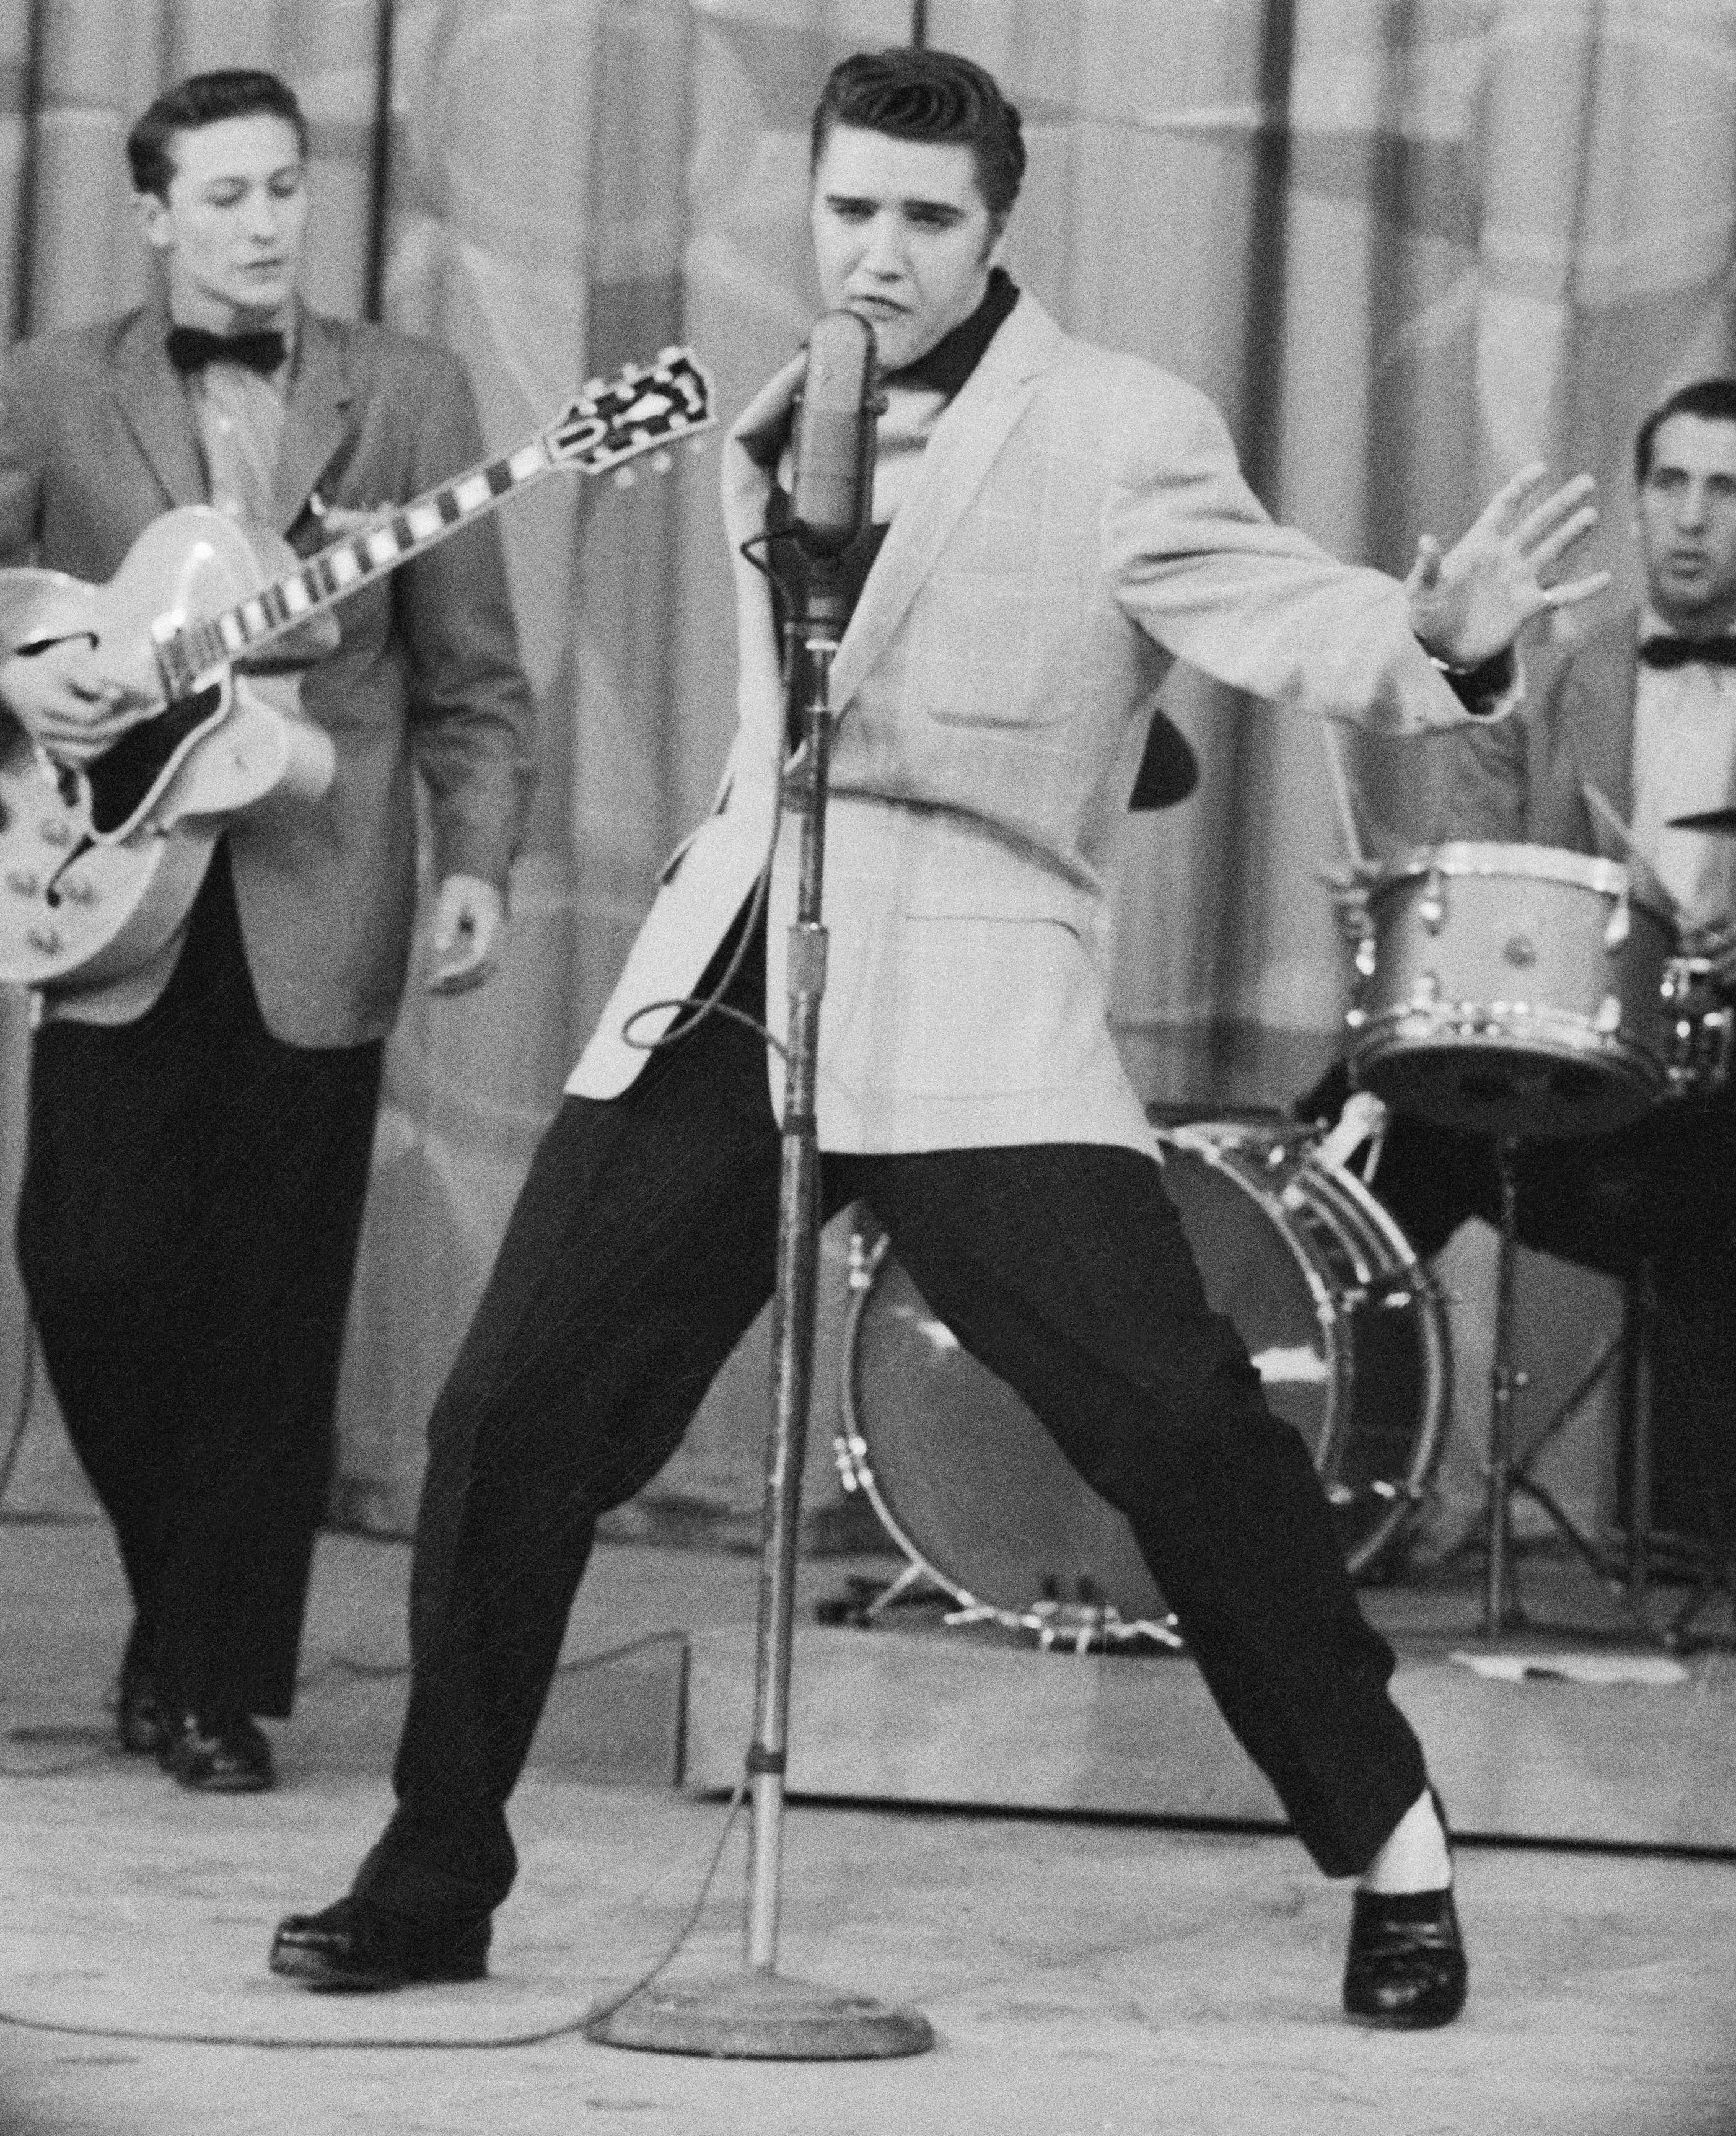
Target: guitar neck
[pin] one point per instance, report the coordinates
(647, 408)
(347, 565)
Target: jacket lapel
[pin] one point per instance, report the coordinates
(316, 420)
(746, 484)
(966, 441)
(155, 405)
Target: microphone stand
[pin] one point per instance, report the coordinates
(758, 2014)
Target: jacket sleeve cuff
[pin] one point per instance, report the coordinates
(1488, 690)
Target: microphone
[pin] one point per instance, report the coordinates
(833, 481)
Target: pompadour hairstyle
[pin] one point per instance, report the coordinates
(915, 94)
(1712, 398)
(202, 101)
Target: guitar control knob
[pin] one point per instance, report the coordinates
(45, 940)
(79, 888)
(22, 881)
(52, 831)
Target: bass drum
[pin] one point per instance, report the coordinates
(1343, 1324)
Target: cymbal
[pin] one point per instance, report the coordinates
(1708, 819)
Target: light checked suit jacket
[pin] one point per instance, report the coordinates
(1077, 519)
(98, 438)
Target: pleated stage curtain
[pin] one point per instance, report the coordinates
(1406, 245)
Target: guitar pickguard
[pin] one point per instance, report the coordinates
(126, 779)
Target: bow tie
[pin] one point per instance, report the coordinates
(1680, 651)
(191, 348)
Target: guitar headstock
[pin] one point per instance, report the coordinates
(649, 405)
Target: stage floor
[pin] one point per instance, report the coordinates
(1082, 1974)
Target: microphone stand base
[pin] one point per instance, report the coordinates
(759, 2016)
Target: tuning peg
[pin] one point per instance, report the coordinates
(662, 462)
(594, 387)
(625, 478)
(671, 354)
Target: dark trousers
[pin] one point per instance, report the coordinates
(186, 1233)
(1663, 1190)
(640, 1250)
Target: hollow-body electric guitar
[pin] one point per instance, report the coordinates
(98, 866)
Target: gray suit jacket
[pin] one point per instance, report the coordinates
(1519, 782)
(1077, 522)
(97, 439)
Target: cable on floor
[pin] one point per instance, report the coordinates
(279, 2043)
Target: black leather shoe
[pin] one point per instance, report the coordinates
(357, 1947)
(138, 1717)
(1406, 1964)
(218, 1754)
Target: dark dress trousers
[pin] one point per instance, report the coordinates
(200, 1132)
(641, 1248)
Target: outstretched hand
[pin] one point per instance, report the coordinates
(1473, 600)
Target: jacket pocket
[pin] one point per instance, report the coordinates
(997, 648)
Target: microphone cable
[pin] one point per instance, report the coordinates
(281, 2042)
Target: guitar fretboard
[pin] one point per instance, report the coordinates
(339, 570)
(646, 408)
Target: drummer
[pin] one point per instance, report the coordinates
(1644, 708)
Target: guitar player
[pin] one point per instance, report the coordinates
(201, 1128)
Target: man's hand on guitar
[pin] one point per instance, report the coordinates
(64, 701)
(469, 919)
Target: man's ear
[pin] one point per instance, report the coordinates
(150, 211)
(996, 239)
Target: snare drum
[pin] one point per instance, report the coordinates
(1343, 1325)
(1513, 990)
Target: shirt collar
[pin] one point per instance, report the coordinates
(946, 366)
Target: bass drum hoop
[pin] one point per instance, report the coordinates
(1376, 1250)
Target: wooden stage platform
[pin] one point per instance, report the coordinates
(911, 1711)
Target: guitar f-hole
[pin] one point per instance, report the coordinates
(51, 894)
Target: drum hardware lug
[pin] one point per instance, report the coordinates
(1412, 1494)
(1620, 923)
(1432, 905)
(1354, 1018)
(1425, 990)
(864, 1260)
(1608, 1018)
(850, 1457)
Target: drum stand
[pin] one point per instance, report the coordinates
(757, 2012)
(1502, 1609)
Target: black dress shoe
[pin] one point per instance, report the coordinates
(1406, 1964)
(359, 1947)
(138, 1717)
(218, 1754)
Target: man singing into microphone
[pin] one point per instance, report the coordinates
(1051, 524)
